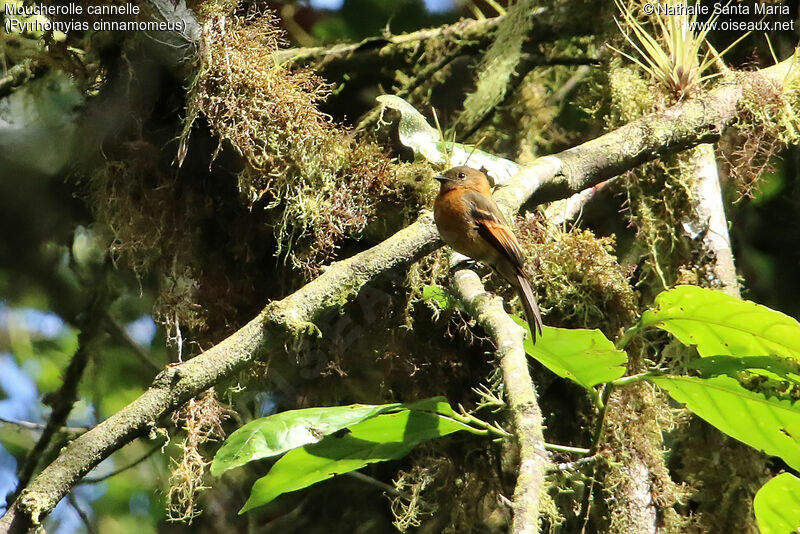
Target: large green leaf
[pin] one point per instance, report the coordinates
(281, 432)
(773, 367)
(584, 356)
(770, 424)
(777, 505)
(276, 434)
(720, 324)
(385, 437)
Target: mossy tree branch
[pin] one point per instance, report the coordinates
(281, 322)
(508, 337)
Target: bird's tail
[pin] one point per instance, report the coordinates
(532, 312)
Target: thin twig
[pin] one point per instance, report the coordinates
(73, 431)
(566, 448)
(378, 484)
(121, 336)
(145, 456)
(573, 466)
(67, 394)
(87, 522)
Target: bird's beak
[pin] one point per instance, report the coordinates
(441, 178)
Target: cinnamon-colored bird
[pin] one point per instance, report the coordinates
(469, 220)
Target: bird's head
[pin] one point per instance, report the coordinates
(464, 177)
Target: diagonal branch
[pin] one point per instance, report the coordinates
(560, 175)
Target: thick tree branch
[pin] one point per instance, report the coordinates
(281, 322)
(385, 48)
(508, 337)
(708, 220)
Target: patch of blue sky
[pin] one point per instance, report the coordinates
(44, 323)
(65, 519)
(8, 476)
(21, 393)
(142, 331)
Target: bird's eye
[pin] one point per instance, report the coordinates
(462, 175)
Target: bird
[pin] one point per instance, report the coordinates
(470, 222)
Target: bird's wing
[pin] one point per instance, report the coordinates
(492, 226)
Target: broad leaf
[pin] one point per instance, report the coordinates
(584, 356)
(438, 405)
(720, 324)
(385, 437)
(276, 434)
(773, 367)
(777, 505)
(770, 424)
(281, 432)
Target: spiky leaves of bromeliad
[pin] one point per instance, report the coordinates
(673, 58)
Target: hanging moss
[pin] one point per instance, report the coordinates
(769, 120)
(320, 183)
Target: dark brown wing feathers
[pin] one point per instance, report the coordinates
(492, 227)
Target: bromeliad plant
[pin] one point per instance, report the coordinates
(672, 57)
(744, 383)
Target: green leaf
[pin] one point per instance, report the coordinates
(439, 296)
(281, 432)
(584, 356)
(276, 434)
(770, 424)
(770, 366)
(720, 324)
(382, 438)
(777, 505)
(438, 405)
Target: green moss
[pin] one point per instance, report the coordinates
(635, 420)
(578, 279)
(319, 183)
(499, 64)
(768, 121)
